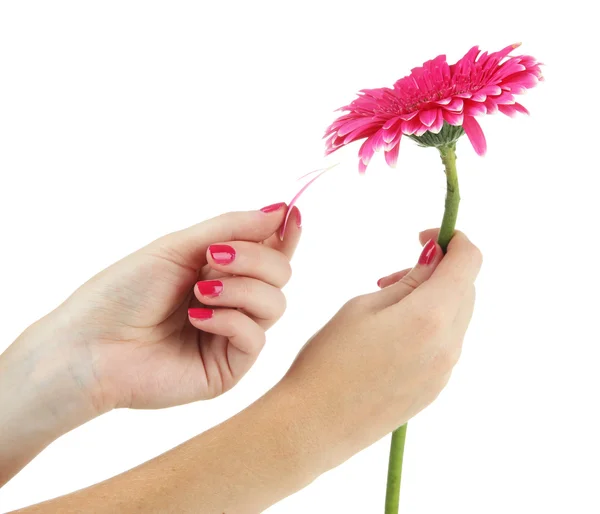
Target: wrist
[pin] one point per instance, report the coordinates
(43, 393)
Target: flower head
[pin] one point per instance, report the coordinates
(435, 104)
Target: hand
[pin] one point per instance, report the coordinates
(385, 356)
(126, 334)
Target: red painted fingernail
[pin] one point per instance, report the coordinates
(199, 313)
(210, 287)
(298, 218)
(273, 208)
(428, 253)
(222, 254)
(379, 282)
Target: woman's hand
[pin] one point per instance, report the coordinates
(180, 320)
(385, 356)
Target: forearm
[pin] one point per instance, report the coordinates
(40, 399)
(265, 453)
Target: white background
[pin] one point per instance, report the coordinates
(121, 121)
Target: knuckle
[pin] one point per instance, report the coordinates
(280, 304)
(476, 256)
(436, 319)
(410, 281)
(260, 338)
(357, 304)
(246, 288)
(286, 270)
(445, 360)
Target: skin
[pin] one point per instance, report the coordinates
(124, 339)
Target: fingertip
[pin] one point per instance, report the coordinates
(290, 231)
(426, 235)
(273, 207)
(200, 314)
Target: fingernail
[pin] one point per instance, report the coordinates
(428, 253)
(222, 254)
(379, 282)
(273, 208)
(298, 218)
(199, 313)
(210, 287)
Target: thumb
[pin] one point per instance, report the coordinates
(188, 247)
(428, 260)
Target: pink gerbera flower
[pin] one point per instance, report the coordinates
(435, 104)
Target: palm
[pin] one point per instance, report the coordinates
(144, 340)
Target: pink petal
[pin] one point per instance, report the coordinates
(428, 117)
(512, 110)
(391, 156)
(389, 123)
(366, 150)
(409, 116)
(390, 134)
(505, 98)
(437, 125)
(453, 118)
(492, 90)
(509, 110)
(523, 79)
(490, 105)
(474, 109)
(520, 108)
(359, 133)
(457, 104)
(475, 134)
(351, 126)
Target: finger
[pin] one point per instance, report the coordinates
(393, 278)
(258, 299)
(244, 334)
(465, 311)
(428, 260)
(188, 247)
(250, 260)
(426, 235)
(456, 273)
(287, 243)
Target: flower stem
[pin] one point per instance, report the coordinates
(392, 494)
(448, 154)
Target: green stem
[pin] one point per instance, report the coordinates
(392, 496)
(452, 195)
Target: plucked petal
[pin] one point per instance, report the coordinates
(475, 134)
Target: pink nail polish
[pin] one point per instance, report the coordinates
(200, 313)
(222, 254)
(428, 253)
(379, 282)
(273, 208)
(210, 288)
(298, 218)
